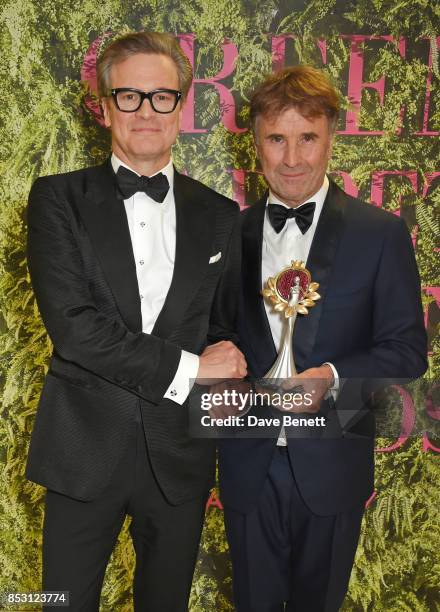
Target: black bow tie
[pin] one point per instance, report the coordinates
(278, 216)
(130, 183)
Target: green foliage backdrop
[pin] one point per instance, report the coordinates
(46, 128)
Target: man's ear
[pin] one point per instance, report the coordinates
(105, 112)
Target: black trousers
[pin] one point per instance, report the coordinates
(286, 558)
(78, 538)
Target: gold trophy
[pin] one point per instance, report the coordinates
(291, 292)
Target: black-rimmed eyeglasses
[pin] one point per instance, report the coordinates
(129, 100)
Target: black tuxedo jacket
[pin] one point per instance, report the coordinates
(104, 370)
(368, 323)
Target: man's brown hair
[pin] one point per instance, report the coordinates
(154, 43)
(302, 87)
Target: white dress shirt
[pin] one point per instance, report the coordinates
(152, 228)
(279, 250)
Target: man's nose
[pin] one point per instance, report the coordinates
(291, 154)
(145, 110)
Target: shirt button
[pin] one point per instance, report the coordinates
(141, 262)
(173, 392)
(141, 296)
(142, 224)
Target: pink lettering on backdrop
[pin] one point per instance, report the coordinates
(238, 191)
(429, 179)
(278, 44)
(407, 423)
(435, 293)
(350, 186)
(371, 499)
(356, 83)
(377, 184)
(428, 445)
(227, 102)
(238, 185)
(88, 75)
(414, 236)
(425, 129)
(434, 412)
(432, 409)
(230, 54)
(322, 46)
(214, 500)
(279, 50)
(402, 50)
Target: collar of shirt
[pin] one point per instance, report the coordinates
(318, 198)
(168, 170)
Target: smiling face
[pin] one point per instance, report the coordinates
(294, 152)
(143, 139)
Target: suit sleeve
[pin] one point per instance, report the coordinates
(79, 331)
(222, 323)
(398, 345)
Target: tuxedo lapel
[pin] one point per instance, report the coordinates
(319, 263)
(106, 222)
(195, 227)
(254, 313)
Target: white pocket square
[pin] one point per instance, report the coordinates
(215, 258)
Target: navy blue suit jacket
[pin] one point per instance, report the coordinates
(368, 323)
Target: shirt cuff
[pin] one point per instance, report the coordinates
(184, 378)
(335, 385)
(334, 389)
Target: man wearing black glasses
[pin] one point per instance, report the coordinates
(135, 270)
